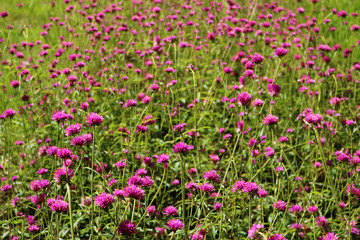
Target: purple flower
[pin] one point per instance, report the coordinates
(273, 89)
(217, 206)
(244, 99)
(296, 209)
(182, 147)
(257, 58)
(280, 52)
(62, 174)
(207, 187)
(78, 141)
(171, 211)
(270, 120)
(127, 228)
(175, 224)
(94, 119)
(163, 158)
(33, 228)
(58, 205)
(52, 150)
(104, 200)
(73, 129)
(250, 187)
(9, 113)
(37, 185)
(180, 127)
(277, 237)
(64, 153)
(133, 191)
(6, 187)
(280, 205)
(212, 175)
(253, 230)
(329, 236)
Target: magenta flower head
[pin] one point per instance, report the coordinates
(33, 228)
(62, 174)
(94, 119)
(104, 200)
(57, 205)
(270, 120)
(329, 236)
(280, 52)
(64, 153)
(182, 147)
(9, 113)
(244, 99)
(280, 205)
(277, 237)
(73, 129)
(175, 224)
(171, 211)
(127, 228)
(133, 191)
(273, 89)
(257, 58)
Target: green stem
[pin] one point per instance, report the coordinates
(70, 212)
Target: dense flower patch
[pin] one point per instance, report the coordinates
(179, 119)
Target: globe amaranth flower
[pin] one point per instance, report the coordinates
(78, 141)
(273, 89)
(37, 198)
(64, 153)
(244, 99)
(250, 187)
(280, 205)
(94, 119)
(280, 52)
(207, 187)
(127, 228)
(182, 147)
(296, 209)
(212, 175)
(62, 174)
(133, 191)
(270, 120)
(9, 113)
(6, 187)
(175, 224)
(37, 185)
(163, 158)
(254, 229)
(257, 58)
(329, 236)
(277, 237)
(33, 228)
(171, 211)
(104, 200)
(217, 206)
(73, 129)
(57, 205)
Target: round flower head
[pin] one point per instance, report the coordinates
(273, 89)
(212, 175)
(277, 237)
(257, 58)
(280, 52)
(94, 119)
(104, 200)
(175, 224)
(33, 228)
(244, 99)
(58, 205)
(182, 147)
(270, 120)
(127, 228)
(171, 211)
(280, 205)
(133, 191)
(61, 174)
(9, 113)
(78, 141)
(73, 129)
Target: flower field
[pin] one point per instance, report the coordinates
(164, 119)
